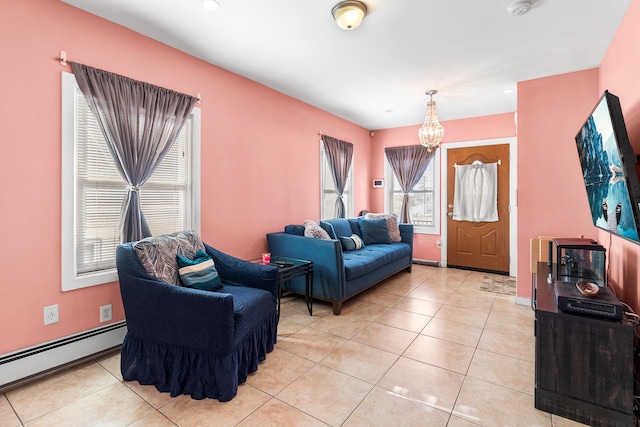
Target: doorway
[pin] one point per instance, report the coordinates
(481, 246)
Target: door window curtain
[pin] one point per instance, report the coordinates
(340, 155)
(408, 164)
(140, 123)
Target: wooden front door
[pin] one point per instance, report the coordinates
(482, 246)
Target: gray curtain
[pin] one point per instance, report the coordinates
(340, 154)
(140, 123)
(408, 164)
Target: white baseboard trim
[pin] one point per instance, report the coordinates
(38, 359)
(523, 301)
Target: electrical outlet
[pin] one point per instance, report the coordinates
(438, 243)
(51, 314)
(105, 313)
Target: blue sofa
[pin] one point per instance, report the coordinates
(185, 340)
(337, 274)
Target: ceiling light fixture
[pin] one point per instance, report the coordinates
(210, 4)
(431, 132)
(349, 14)
(520, 7)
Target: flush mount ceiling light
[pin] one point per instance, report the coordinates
(520, 7)
(210, 4)
(349, 14)
(431, 132)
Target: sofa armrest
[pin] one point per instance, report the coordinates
(326, 254)
(240, 272)
(171, 314)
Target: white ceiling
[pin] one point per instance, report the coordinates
(471, 51)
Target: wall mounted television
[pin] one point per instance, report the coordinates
(609, 170)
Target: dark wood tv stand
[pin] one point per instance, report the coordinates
(583, 365)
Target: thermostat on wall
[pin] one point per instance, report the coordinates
(378, 183)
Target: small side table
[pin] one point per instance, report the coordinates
(289, 269)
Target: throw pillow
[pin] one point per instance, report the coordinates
(351, 243)
(311, 229)
(199, 272)
(392, 224)
(374, 231)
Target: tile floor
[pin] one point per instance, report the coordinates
(421, 349)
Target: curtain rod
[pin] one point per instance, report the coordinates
(63, 61)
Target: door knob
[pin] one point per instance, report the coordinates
(450, 206)
(450, 213)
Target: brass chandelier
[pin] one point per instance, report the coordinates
(431, 132)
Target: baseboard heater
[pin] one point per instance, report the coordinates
(426, 262)
(36, 360)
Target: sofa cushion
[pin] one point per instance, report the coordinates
(355, 225)
(311, 229)
(199, 272)
(341, 227)
(328, 228)
(392, 224)
(298, 230)
(158, 254)
(371, 257)
(374, 231)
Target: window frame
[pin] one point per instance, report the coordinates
(71, 279)
(389, 184)
(348, 191)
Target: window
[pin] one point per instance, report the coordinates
(328, 194)
(424, 200)
(93, 191)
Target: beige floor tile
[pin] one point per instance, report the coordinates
(296, 311)
(419, 306)
(326, 394)
(154, 419)
(379, 297)
(453, 331)
(112, 364)
(477, 302)
(149, 393)
(275, 413)
(311, 344)
(441, 353)
(427, 293)
(508, 308)
(114, 405)
(399, 286)
(424, 383)
(510, 325)
(518, 346)
(58, 390)
(412, 322)
(280, 369)
(364, 309)
(287, 327)
(8, 417)
(462, 315)
(491, 405)
(385, 338)
(346, 325)
(186, 412)
(460, 422)
(385, 408)
(516, 374)
(361, 361)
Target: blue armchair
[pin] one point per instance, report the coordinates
(190, 341)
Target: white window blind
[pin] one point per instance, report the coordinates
(168, 199)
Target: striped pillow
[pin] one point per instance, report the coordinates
(198, 273)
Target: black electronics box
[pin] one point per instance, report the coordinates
(604, 304)
(578, 259)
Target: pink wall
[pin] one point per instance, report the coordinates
(551, 196)
(472, 129)
(620, 74)
(248, 187)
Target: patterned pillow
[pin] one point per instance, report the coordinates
(199, 272)
(392, 224)
(311, 229)
(358, 241)
(158, 254)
